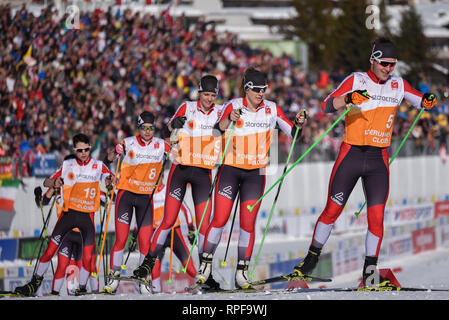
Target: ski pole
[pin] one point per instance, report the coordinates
(38, 196)
(44, 228)
(210, 192)
(102, 216)
(117, 171)
(171, 253)
(134, 235)
(396, 152)
(250, 208)
(224, 263)
(275, 201)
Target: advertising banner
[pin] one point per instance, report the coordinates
(423, 240)
(44, 165)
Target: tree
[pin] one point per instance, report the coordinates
(413, 46)
(384, 19)
(353, 36)
(314, 24)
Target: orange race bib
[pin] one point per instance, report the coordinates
(139, 178)
(82, 196)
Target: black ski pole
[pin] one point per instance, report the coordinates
(224, 263)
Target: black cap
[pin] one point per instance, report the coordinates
(383, 49)
(208, 84)
(254, 78)
(145, 117)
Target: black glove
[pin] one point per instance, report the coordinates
(133, 241)
(178, 122)
(191, 235)
(38, 196)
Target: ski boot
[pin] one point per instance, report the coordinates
(211, 285)
(308, 264)
(371, 278)
(145, 289)
(54, 293)
(81, 291)
(241, 276)
(112, 284)
(205, 268)
(31, 287)
(142, 271)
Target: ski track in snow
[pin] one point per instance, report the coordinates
(425, 270)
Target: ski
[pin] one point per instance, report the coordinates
(101, 293)
(368, 289)
(146, 283)
(9, 294)
(282, 278)
(288, 277)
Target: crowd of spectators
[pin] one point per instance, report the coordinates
(98, 78)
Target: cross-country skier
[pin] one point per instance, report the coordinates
(80, 180)
(140, 169)
(243, 170)
(197, 154)
(375, 95)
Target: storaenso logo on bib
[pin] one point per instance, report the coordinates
(257, 124)
(385, 99)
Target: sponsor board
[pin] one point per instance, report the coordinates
(8, 249)
(415, 213)
(346, 260)
(397, 246)
(444, 235)
(441, 208)
(423, 240)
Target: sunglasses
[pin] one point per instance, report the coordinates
(83, 150)
(258, 89)
(385, 64)
(146, 128)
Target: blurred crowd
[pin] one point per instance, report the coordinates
(98, 78)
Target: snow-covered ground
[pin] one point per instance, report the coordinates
(425, 270)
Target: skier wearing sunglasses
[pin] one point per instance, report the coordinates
(243, 170)
(375, 96)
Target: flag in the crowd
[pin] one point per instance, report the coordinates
(5, 165)
(25, 58)
(8, 193)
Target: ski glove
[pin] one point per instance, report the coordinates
(428, 100)
(38, 196)
(120, 148)
(357, 97)
(178, 122)
(191, 235)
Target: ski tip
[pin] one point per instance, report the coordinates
(123, 267)
(224, 263)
